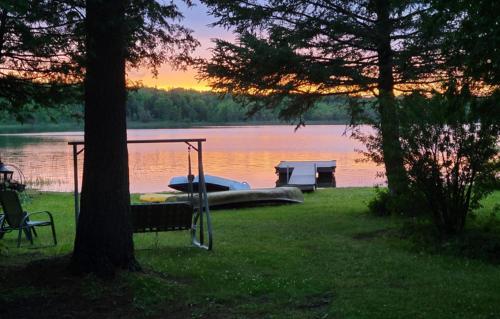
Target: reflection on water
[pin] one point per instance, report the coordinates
(241, 153)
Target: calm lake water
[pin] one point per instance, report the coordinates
(246, 153)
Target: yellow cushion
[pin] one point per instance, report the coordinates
(154, 198)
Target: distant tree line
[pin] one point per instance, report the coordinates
(181, 106)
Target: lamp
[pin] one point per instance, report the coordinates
(5, 174)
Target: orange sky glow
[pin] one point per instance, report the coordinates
(169, 79)
(197, 19)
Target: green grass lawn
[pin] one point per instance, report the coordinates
(326, 258)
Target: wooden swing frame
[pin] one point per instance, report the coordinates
(200, 216)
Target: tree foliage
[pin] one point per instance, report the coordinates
(155, 37)
(37, 50)
(450, 147)
(43, 50)
(471, 42)
(300, 51)
(180, 106)
(308, 49)
(184, 106)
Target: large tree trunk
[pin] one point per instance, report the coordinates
(3, 28)
(104, 234)
(389, 124)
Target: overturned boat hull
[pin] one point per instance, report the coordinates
(248, 198)
(213, 184)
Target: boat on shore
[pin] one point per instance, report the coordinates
(237, 198)
(213, 184)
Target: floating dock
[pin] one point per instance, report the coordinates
(306, 175)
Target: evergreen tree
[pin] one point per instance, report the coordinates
(104, 233)
(471, 42)
(300, 51)
(116, 31)
(37, 65)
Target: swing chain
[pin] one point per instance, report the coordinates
(190, 174)
(190, 178)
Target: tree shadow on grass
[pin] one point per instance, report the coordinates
(477, 242)
(46, 289)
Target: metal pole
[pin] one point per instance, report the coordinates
(287, 174)
(201, 189)
(315, 174)
(75, 178)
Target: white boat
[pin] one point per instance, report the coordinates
(213, 184)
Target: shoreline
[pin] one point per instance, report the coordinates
(7, 129)
(39, 191)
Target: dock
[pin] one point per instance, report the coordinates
(306, 175)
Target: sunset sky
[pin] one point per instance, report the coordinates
(197, 19)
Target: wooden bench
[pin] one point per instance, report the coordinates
(159, 217)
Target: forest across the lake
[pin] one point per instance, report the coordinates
(150, 107)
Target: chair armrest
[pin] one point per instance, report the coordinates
(26, 217)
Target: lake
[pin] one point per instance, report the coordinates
(244, 153)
